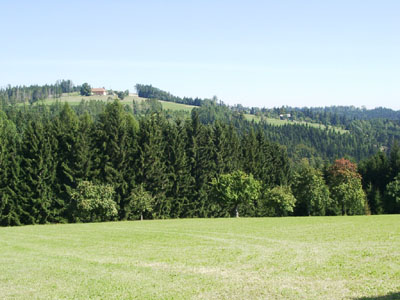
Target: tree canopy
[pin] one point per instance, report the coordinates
(86, 89)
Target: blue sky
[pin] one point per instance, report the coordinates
(257, 53)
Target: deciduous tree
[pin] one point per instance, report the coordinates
(94, 202)
(237, 191)
(346, 189)
(86, 90)
(277, 202)
(310, 191)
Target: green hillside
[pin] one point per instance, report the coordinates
(75, 99)
(279, 122)
(176, 106)
(261, 258)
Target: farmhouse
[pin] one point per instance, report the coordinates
(285, 116)
(99, 91)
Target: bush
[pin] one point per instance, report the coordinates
(94, 202)
(277, 202)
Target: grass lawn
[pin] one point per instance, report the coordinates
(268, 258)
(177, 106)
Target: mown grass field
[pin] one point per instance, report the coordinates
(260, 258)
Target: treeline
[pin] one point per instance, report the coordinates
(33, 93)
(333, 115)
(100, 162)
(303, 141)
(381, 181)
(370, 130)
(150, 92)
(52, 156)
(319, 146)
(344, 114)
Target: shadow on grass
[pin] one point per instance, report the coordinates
(391, 296)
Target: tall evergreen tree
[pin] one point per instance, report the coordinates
(10, 206)
(152, 167)
(65, 129)
(110, 156)
(394, 159)
(375, 172)
(202, 167)
(38, 171)
(177, 169)
(130, 172)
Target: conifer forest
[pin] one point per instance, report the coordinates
(108, 160)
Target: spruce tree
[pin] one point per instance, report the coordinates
(177, 169)
(65, 130)
(202, 165)
(130, 171)
(110, 154)
(38, 171)
(152, 165)
(10, 206)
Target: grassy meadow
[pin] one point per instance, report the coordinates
(76, 98)
(259, 258)
(176, 106)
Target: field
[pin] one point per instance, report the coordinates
(268, 258)
(176, 106)
(75, 99)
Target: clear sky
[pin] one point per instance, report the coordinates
(257, 53)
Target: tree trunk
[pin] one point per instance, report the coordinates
(141, 217)
(237, 212)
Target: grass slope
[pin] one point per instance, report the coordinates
(269, 258)
(177, 106)
(75, 99)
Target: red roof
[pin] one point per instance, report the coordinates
(98, 90)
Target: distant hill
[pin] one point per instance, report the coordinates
(324, 132)
(75, 98)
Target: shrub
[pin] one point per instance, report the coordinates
(277, 202)
(94, 202)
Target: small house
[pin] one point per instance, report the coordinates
(285, 116)
(99, 92)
